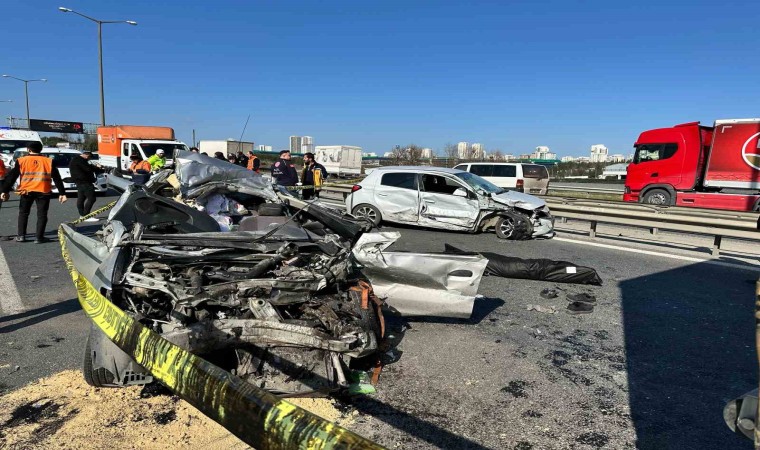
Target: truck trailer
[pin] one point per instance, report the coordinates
(226, 147)
(340, 160)
(698, 166)
(12, 140)
(116, 143)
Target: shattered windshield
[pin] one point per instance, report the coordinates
(479, 184)
(168, 148)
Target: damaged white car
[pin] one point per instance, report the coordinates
(448, 199)
(290, 299)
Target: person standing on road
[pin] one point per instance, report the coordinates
(313, 174)
(232, 159)
(36, 176)
(83, 175)
(254, 163)
(283, 171)
(157, 161)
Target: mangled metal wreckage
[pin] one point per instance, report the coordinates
(289, 300)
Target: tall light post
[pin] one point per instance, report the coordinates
(26, 92)
(100, 53)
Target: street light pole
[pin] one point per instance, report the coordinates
(100, 54)
(26, 92)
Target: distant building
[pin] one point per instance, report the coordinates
(583, 159)
(388, 155)
(369, 155)
(568, 159)
(524, 156)
(509, 157)
(307, 144)
(616, 158)
(598, 153)
(542, 152)
(427, 153)
(463, 150)
(618, 171)
(264, 148)
(477, 151)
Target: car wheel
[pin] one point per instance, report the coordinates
(95, 377)
(659, 197)
(369, 212)
(514, 227)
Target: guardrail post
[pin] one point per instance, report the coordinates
(716, 245)
(592, 228)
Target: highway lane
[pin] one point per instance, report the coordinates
(669, 342)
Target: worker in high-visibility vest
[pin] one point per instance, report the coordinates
(36, 176)
(140, 169)
(313, 174)
(254, 163)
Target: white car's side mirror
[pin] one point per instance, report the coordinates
(460, 193)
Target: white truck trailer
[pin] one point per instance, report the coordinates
(11, 140)
(226, 147)
(339, 160)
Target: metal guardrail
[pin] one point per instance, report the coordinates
(591, 189)
(716, 223)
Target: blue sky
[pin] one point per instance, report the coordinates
(512, 75)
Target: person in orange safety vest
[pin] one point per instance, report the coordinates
(36, 176)
(254, 163)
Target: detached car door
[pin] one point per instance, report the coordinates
(397, 197)
(440, 208)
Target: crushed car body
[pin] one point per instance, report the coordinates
(284, 294)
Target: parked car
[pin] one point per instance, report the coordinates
(61, 158)
(448, 199)
(530, 178)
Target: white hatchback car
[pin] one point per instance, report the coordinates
(448, 199)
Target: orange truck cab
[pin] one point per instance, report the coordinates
(117, 143)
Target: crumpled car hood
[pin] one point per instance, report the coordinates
(519, 200)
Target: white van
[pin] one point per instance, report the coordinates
(528, 178)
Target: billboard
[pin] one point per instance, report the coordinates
(56, 126)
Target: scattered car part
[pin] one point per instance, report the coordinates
(576, 308)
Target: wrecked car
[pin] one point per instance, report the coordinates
(448, 199)
(285, 294)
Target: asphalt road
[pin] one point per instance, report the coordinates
(668, 344)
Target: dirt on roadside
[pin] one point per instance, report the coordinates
(62, 411)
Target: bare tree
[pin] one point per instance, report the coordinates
(409, 155)
(497, 155)
(451, 151)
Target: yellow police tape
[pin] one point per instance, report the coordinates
(257, 417)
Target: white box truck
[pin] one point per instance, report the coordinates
(226, 147)
(339, 160)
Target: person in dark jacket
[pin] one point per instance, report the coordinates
(309, 178)
(83, 175)
(220, 155)
(242, 160)
(283, 171)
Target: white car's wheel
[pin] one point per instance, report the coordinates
(513, 227)
(368, 212)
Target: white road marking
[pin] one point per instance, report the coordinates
(10, 300)
(750, 266)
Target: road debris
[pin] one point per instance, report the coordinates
(542, 309)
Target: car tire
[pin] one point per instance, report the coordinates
(368, 212)
(514, 227)
(657, 197)
(95, 377)
(271, 209)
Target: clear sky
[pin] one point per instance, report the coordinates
(512, 75)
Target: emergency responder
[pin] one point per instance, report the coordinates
(283, 171)
(83, 175)
(313, 174)
(157, 161)
(36, 176)
(140, 169)
(254, 163)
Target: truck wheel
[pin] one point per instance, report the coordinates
(659, 197)
(513, 226)
(369, 212)
(95, 377)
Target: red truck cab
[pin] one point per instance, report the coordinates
(697, 166)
